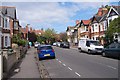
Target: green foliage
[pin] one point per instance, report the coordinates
(22, 42)
(63, 36)
(47, 37)
(17, 39)
(32, 37)
(114, 27)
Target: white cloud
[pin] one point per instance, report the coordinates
(50, 13)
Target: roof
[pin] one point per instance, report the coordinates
(70, 28)
(8, 11)
(98, 18)
(86, 22)
(38, 31)
(103, 17)
(23, 30)
(117, 8)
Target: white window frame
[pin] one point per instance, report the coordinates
(6, 41)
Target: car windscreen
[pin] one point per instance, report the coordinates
(45, 48)
(96, 43)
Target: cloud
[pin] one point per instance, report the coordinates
(50, 14)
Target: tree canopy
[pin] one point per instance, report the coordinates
(114, 27)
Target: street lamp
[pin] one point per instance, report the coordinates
(27, 30)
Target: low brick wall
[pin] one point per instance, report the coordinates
(9, 59)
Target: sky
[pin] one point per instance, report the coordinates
(54, 15)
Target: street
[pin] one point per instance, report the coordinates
(70, 63)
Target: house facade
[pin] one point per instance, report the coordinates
(85, 29)
(96, 27)
(70, 30)
(8, 25)
(1, 16)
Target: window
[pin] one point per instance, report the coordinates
(86, 28)
(96, 25)
(6, 23)
(0, 20)
(15, 24)
(6, 40)
(110, 21)
(97, 38)
(93, 38)
(93, 27)
(116, 36)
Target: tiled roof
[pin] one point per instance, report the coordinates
(38, 31)
(8, 11)
(23, 30)
(86, 22)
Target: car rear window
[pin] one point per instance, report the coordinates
(45, 47)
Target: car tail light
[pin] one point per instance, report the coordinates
(52, 50)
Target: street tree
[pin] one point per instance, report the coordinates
(63, 36)
(49, 35)
(32, 37)
(114, 27)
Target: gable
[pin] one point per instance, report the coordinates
(112, 13)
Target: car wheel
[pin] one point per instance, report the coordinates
(103, 54)
(79, 49)
(53, 57)
(89, 51)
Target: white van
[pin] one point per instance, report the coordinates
(90, 46)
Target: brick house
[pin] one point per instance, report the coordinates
(84, 29)
(24, 32)
(8, 20)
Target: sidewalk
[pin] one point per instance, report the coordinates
(28, 67)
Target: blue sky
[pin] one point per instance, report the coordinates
(57, 15)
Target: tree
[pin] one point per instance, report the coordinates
(114, 27)
(32, 37)
(47, 37)
(63, 36)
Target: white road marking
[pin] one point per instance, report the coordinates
(69, 68)
(60, 62)
(111, 67)
(64, 65)
(78, 74)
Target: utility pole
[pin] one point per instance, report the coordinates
(27, 30)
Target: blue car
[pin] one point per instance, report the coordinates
(45, 51)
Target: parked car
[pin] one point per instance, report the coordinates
(90, 46)
(112, 50)
(54, 44)
(65, 45)
(36, 44)
(45, 51)
(58, 44)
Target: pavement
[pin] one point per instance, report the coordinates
(26, 68)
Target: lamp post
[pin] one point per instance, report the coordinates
(27, 30)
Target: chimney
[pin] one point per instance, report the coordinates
(27, 28)
(30, 29)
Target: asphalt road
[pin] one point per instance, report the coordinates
(70, 63)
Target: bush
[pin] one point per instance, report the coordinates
(22, 42)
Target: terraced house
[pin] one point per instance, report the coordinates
(95, 27)
(9, 25)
